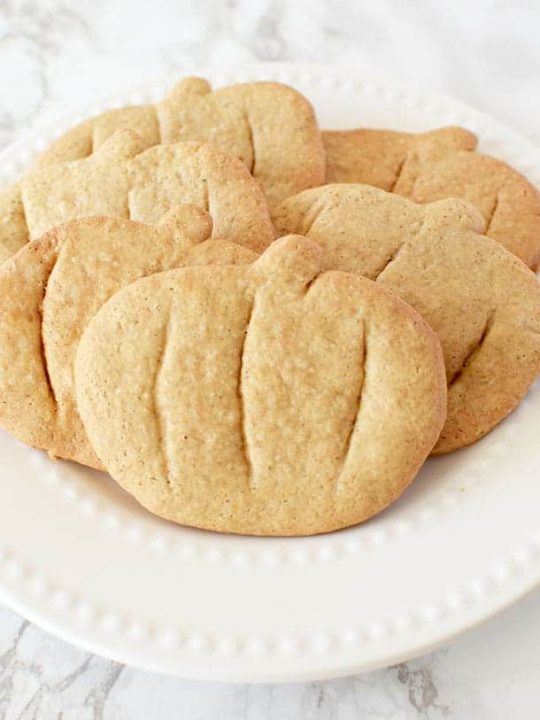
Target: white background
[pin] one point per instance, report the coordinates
(57, 55)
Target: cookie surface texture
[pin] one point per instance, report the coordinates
(121, 181)
(268, 399)
(483, 303)
(441, 164)
(50, 290)
(269, 126)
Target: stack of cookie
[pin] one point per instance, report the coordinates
(255, 326)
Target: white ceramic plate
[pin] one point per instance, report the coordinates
(80, 558)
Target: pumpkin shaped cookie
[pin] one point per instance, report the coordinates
(269, 399)
(121, 181)
(51, 289)
(269, 126)
(441, 164)
(483, 303)
(375, 157)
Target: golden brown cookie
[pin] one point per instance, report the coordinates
(270, 399)
(51, 289)
(483, 303)
(437, 165)
(121, 181)
(269, 126)
(375, 157)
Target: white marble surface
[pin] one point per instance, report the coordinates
(56, 55)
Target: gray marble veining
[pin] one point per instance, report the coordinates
(491, 674)
(57, 55)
